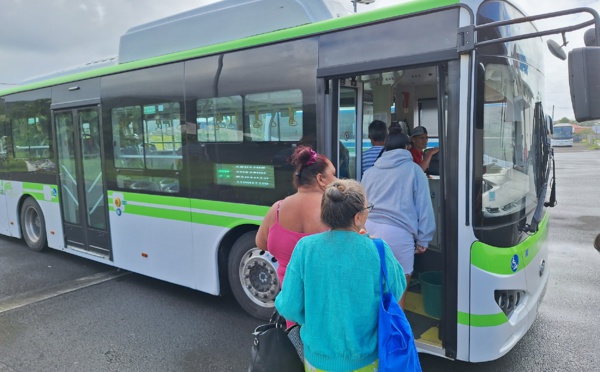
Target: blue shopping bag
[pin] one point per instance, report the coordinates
(395, 340)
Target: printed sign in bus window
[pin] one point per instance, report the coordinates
(245, 175)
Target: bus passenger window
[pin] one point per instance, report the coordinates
(31, 136)
(275, 116)
(162, 136)
(147, 137)
(126, 140)
(220, 119)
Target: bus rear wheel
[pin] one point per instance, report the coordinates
(253, 277)
(33, 225)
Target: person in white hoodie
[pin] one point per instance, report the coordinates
(402, 215)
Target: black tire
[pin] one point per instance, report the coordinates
(252, 275)
(33, 225)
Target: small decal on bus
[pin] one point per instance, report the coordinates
(514, 263)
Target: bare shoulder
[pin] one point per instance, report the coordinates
(302, 213)
(270, 216)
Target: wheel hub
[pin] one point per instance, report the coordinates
(258, 273)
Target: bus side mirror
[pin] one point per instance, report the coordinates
(597, 243)
(584, 81)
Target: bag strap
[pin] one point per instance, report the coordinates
(380, 248)
(277, 319)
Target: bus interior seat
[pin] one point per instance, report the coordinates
(144, 185)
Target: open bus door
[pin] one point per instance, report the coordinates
(353, 103)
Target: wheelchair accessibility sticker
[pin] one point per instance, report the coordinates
(514, 263)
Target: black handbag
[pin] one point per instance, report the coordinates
(272, 350)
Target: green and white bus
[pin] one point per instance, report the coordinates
(164, 161)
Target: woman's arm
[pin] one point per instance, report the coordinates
(263, 231)
(290, 301)
(424, 209)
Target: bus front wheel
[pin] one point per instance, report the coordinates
(33, 225)
(253, 277)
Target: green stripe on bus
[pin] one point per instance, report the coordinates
(275, 36)
(158, 200)
(33, 186)
(497, 260)
(211, 205)
(36, 190)
(162, 207)
(150, 211)
(35, 195)
(222, 221)
(247, 209)
(478, 320)
(176, 215)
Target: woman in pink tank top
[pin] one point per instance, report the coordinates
(299, 214)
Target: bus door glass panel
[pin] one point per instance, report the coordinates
(347, 132)
(82, 197)
(428, 118)
(376, 99)
(89, 125)
(65, 136)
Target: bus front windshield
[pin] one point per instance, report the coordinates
(562, 132)
(511, 143)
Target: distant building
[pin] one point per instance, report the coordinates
(578, 128)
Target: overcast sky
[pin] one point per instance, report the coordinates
(41, 36)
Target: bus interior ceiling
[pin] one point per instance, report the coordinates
(393, 96)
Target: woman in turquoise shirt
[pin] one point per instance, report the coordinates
(332, 285)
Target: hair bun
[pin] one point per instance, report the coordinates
(337, 192)
(394, 129)
(303, 156)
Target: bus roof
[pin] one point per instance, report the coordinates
(231, 19)
(303, 30)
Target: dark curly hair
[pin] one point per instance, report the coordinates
(307, 164)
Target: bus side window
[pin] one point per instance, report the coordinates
(219, 119)
(162, 136)
(126, 142)
(147, 137)
(31, 136)
(275, 116)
